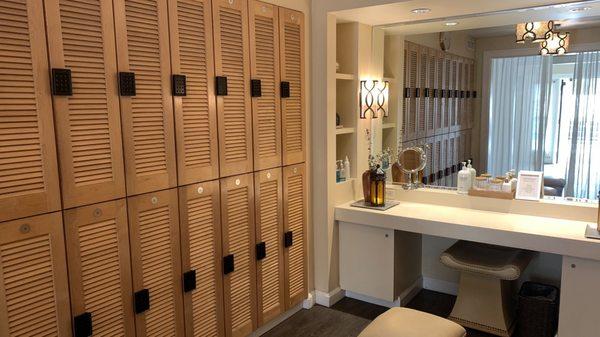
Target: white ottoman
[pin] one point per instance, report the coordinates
(404, 322)
(484, 295)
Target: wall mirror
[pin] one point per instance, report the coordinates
(504, 95)
(411, 162)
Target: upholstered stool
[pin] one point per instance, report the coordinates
(403, 322)
(484, 296)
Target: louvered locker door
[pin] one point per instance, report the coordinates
(294, 220)
(461, 100)
(100, 267)
(239, 261)
(199, 209)
(448, 94)
(472, 95)
(293, 116)
(266, 104)
(405, 95)
(452, 146)
(438, 160)
(142, 34)
(88, 126)
(234, 110)
(422, 72)
(411, 82)
(34, 293)
(195, 113)
(28, 170)
(156, 263)
(430, 98)
(269, 231)
(456, 95)
(440, 105)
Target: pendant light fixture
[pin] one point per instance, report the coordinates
(555, 44)
(534, 31)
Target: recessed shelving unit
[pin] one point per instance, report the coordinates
(347, 77)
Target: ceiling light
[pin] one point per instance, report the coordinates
(579, 9)
(534, 31)
(451, 23)
(555, 44)
(421, 10)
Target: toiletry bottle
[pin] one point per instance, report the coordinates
(473, 173)
(507, 185)
(464, 179)
(342, 171)
(337, 172)
(513, 179)
(347, 168)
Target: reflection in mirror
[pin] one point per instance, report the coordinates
(469, 91)
(411, 162)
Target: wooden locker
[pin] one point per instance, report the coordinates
(266, 104)
(97, 239)
(456, 93)
(88, 126)
(195, 112)
(239, 261)
(156, 263)
(293, 116)
(199, 209)
(430, 109)
(232, 62)
(28, 170)
(34, 290)
(142, 34)
(422, 76)
(269, 231)
(452, 146)
(440, 105)
(295, 237)
(448, 97)
(411, 90)
(438, 161)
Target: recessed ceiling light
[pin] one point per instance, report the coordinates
(421, 10)
(450, 23)
(579, 9)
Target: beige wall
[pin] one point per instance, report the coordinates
(458, 45)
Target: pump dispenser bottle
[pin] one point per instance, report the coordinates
(464, 179)
(473, 173)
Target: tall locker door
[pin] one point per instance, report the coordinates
(239, 255)
(422, 76)
(448, 93)
(294, 220)
(411, 92)
(100, 267)
(200, 213)
(293, 117)
(34, 290)
(266, 105)
(269, 231)
(142, 34)
(195, 110)
(156, 264)
(28, 170)
(88, 126)
(429, 93)
(456, 93)
(232, 68)
(439, 94)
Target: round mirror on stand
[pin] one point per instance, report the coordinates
(412, 160)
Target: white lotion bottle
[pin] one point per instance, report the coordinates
(347, 168)
(473, 173)
(464, 179)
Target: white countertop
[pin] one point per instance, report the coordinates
(543, 234)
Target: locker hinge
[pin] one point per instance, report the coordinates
(82, 325)
(189, 281)
(255, 88)
(285, 89)
(228, 264)
(261, 251)
(126, 83)
(221, 85)
(61, 83)
(141, 301)
(178, 85)
(288, 239)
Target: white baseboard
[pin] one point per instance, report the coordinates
(373, 300)
(441, 286)
(329, 299)
(408, 294)
(309, 302)
(276, 321)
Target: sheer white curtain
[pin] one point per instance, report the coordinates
(583, 173)
(518, 110)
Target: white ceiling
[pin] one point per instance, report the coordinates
(565, 25)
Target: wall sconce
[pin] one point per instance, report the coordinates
(368, 94)
(555, 44)
(382, 98)
(534, 31)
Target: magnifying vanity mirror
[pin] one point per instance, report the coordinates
(411, 162)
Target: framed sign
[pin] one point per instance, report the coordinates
(530, 185)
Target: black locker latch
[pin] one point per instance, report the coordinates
(221, 85)
(61, 84)
(288, 239)
(228, 264)
(126, 83)
(261, 251)
(82, 325)
(255, 88)
(189, 281)
(285, 89)
(141, 301)
(179, 85)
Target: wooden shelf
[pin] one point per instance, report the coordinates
(347, 77)
(385, 126)
(345, 131)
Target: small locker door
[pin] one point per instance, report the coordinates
(266, 105)
(232, 68)
(156, 264)
(195, 111)
(100, 268)
(28, 169)
(34, 290)
(291, 31)
(239, 254)
(200, 213)
(269, 246)
(143, 59)
(294, 240)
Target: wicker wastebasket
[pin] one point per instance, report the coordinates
(538, 310)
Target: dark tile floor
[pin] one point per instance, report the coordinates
(349, 317)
